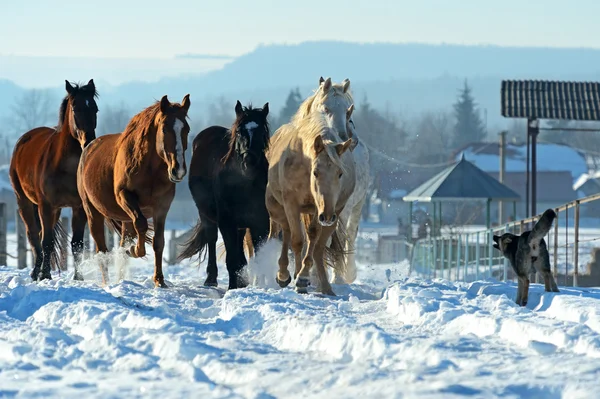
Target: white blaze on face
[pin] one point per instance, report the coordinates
(250, 126)
(177, 127)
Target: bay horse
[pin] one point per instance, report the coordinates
(311, 177)
(126, 178)
(228, 179)
(43, 171)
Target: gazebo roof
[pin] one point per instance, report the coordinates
(459, 182)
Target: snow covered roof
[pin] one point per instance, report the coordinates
(550, 158)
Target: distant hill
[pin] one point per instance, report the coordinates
(406, 78)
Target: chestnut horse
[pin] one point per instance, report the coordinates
(129, 177)
(43, 172)
(311, 173)
(228, 179)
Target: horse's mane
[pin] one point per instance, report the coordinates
(337, 89)
(62, 112)
(234, 128)
(138, 128)
(317, 124)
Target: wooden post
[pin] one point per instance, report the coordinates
(21, 244)
(533, 129)
(87, 250)
(65, 240)
(3, 234)
(501, 175)
(110, 238)
(576, 246)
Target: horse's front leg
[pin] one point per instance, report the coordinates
(128, 201)
(47, 219)
(158, 244)
(313, 233)
(230, 234)
(319, 259)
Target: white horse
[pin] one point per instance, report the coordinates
(335, 100)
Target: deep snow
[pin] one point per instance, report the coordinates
(387, 335)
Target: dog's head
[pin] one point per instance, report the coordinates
(501, 242)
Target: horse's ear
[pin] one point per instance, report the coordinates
(346, 85)
(327, 85)
(164, 104)
(91, 84)
(68, 87)
(238, 108)
(349, 112)
(318, 145)
(185, 103)
(265, 109)
(342, 147)
(321, 80)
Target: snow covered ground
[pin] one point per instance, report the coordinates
(388, 335)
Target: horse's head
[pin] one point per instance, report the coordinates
(326, 176)
(335, 100)
(250, 134)
(83, 107)
(171, 136)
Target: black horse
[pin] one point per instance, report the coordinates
(228, 179)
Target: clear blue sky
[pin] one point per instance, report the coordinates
(148, 28)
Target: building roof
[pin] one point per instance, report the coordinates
(550, 100)
(550, 158)
(461, 181)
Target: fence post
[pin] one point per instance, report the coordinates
(110, 238)
(3, 234)
(576, 246)
(566, 244)
(466, 257)
(490, 248)
(450, 258)
(458, 256)
(477, 257)
(173, 248)
(556, 247)
(442, 256)
(64, 242)
(21, 244)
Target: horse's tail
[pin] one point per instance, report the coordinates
(117, 226)
(58, 256)
(195, 244)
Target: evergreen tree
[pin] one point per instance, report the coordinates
(292, 103)
(469, 127)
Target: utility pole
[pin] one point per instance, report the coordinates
(501, 175)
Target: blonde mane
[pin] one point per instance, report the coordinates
(337, 89)
(317, 124)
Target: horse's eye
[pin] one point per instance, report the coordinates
(315, 173)
(340, 176)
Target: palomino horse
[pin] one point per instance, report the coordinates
(310, 173)
(43, 172)
(228, 179)
(335, 101)
(131, 176)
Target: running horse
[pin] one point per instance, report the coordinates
(43, 172)
(126, 178)
(228, 179)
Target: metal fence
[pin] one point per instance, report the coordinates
(467, 254)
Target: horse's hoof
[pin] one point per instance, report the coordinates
(283, 283)
(46, 276)
(211, 283)
(77, 277)
(160, 284)
(328, 292)
(302, 284)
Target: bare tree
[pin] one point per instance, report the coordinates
(113, 119)
(432, 141)
(32, 109)
(221, 112)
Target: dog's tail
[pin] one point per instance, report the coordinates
(543, 225)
